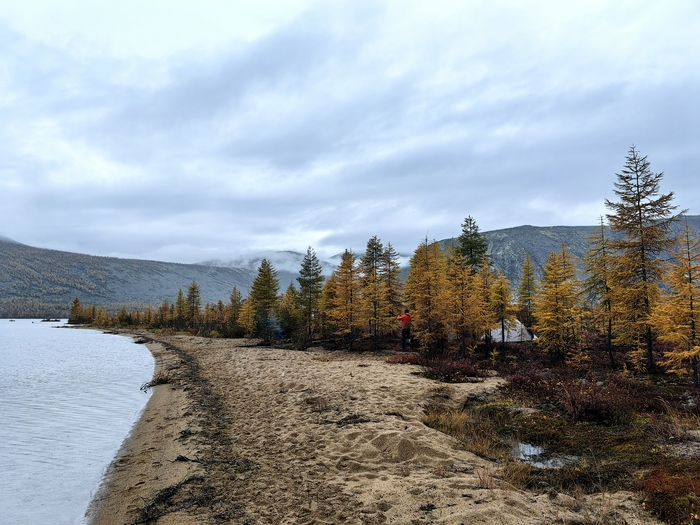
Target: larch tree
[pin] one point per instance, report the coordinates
(392, 290)
(344, 307)
(247, 317)
(466, 304)
(501, 303)
(264, 301)
(643, 218)
(310, 291)
(473, 245)
(459, 298)
(526, 291)
(193, 303)
(371, 284)
(180, 309)
(425, 289)
(148, 316)
(677, 315)
(76, 312)
(598, 285)
(289, 312)
(557, 310)
(232, 313)
(162, 316)
(328, 297)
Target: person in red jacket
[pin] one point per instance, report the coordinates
(405, 329)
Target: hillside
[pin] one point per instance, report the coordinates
(508, 247)
(36, 282)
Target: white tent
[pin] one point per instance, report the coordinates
(515, 332)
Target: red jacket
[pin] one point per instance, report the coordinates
(405, 320)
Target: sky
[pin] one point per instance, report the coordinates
(189, 131)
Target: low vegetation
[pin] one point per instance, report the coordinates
(595, 430)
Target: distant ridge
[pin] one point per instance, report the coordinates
(507, 247)
(37, 282)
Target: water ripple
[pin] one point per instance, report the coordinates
(67, 400)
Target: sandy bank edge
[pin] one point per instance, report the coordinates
(140, 469)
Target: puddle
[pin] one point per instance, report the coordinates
(535, 456)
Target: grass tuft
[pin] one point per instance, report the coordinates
(158, 379)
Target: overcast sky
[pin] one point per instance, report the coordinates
(189, 131)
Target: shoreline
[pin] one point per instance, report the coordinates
(246, 434)
(140, 466)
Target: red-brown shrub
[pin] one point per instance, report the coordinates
(673, 494)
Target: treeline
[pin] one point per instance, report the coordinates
(360, 300)
(28, 308)
(630, 302)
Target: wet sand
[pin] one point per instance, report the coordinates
(253, 435)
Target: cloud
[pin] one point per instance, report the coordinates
(327, 124)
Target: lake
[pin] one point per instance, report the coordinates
(68, 399)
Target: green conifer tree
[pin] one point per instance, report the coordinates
(310, 291)
(392, 290)
(193, 303)
(232, 314)
(180, 310)
(371, 284)
(264, 301)
(598, 285)
(473, 245)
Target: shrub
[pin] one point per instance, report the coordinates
(405, 359)
(451, 371)
(608, 402)
(673, 493)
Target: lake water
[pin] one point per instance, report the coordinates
(68, 398)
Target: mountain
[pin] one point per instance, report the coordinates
(508, 247)
(36, 282)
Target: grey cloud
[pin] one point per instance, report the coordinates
(318, 130)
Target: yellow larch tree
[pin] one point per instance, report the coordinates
(677, 316)
(344, 306)
(557, 310)
(425, 296)
(501, 303)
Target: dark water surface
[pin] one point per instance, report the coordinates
(68, 398)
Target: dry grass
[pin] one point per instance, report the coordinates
(477, 433)
(486, 478)
(158, 379)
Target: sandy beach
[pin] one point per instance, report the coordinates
(256, 435)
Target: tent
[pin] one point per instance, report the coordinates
(515, 332)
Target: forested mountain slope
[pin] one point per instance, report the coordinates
(36, 282)
(508, 247)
